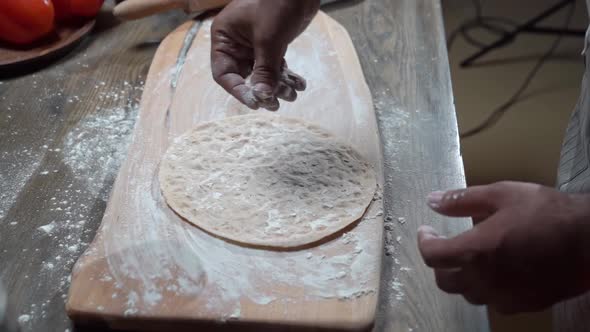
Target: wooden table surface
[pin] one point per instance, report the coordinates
(64, 129)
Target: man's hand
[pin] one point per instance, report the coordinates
(251, 37)
(529, 247)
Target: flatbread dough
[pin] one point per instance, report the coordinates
(266, 180)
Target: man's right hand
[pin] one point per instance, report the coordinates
(250, 37)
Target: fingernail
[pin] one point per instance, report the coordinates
(434, 199)
(250, 101)
(271, 104)
(262, 91)
(299, 83)
(427, 232)
(271, 108)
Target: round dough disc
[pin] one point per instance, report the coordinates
(266, 180)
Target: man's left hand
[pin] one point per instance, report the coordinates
(528, 249)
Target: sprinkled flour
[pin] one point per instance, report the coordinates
(98, 145)
(205, 272)
(15, 175)
(394, 120)
(92, 151)
(23, 319)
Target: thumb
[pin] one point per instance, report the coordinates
(266, 73)
(441, 252)
(476, 202)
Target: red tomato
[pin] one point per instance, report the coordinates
(24, 21)
(65, 9)
(62, 8)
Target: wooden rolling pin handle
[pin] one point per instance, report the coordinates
(135, 9)
(202, 5)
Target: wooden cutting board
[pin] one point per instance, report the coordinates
(149, 269)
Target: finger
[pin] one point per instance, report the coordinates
(246, 68)
(506, 302)
(478, 202)
(286, 92)
(477, 219)
(270, 104)
(475, 297)
(226, 72)
(461, 281)
(452, 281)
(266, 73)
(440, 252)
(508, 307)
(235, 85)
(293, 80)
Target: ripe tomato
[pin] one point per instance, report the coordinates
(24, 21)
(67, 9)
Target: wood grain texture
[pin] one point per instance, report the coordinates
(401, 48)
(64, 38)
(39, 111)
(144, 255)
(404, 57)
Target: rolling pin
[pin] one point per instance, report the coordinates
(135, 9)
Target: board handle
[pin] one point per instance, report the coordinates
(136, 9)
